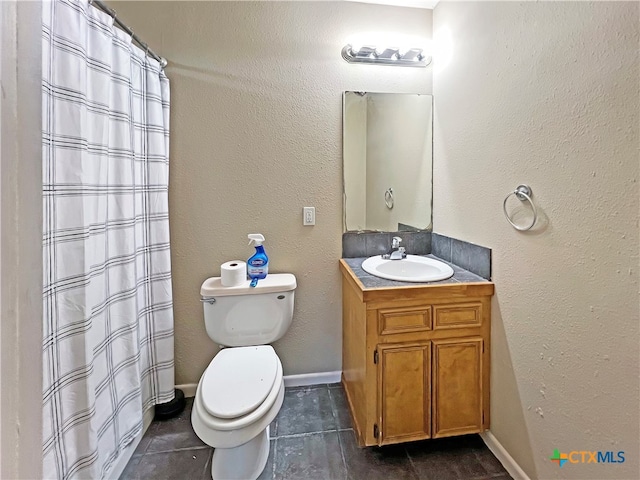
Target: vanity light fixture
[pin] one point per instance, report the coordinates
(413, 57)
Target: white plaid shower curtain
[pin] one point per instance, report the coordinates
(108, 318)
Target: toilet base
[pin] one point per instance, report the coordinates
(244, 462)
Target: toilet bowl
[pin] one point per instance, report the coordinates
(242, 389)
(238, 396)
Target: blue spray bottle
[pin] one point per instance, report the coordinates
(258, 264)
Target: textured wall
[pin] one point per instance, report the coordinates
(546, 93)
(256, 126)
(21, 240)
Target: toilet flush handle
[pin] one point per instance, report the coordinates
(209, 300)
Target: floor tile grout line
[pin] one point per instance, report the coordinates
(413, 466)
(476, 455)
(306, 434)
(308, 387)
(344, 460)
(181, 449)
(487, 477)
(208, 464)
(333, 408)
(331, 404)
(275, 458)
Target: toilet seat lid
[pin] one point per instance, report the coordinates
(238, 380)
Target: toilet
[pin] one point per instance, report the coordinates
(242, 389)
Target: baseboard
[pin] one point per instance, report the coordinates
(302, 380)
(311, 379)
(503, 456)
(118, 467)
(189, 389)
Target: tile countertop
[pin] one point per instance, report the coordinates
(460, 275)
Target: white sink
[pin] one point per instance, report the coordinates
(411, 269)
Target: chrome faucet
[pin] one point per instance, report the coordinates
(397, 252)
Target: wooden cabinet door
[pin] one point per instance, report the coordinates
(457, 386)
(404, 404)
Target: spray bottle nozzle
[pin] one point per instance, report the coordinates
(258, 238)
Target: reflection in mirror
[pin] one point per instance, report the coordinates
(387, 161)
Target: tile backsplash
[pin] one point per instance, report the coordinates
(374, 243)
(467, 255)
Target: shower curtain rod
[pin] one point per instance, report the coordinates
(110, 11)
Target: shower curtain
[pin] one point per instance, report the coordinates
(108, 318)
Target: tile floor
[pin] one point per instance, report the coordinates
(312, 438)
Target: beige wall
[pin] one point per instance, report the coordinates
(21, 241)
(547, 94)
(256, 135)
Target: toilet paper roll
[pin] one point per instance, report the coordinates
(233, 273)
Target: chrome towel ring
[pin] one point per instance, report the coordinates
(523, 193)
(388, 198)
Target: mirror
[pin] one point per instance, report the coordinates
(387, 161)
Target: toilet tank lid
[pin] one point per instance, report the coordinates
(275, 282)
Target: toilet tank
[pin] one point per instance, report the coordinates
(243, 316)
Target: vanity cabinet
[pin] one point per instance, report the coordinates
(415, 359)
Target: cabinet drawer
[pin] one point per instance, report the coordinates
(392, 321)
(457, 315)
